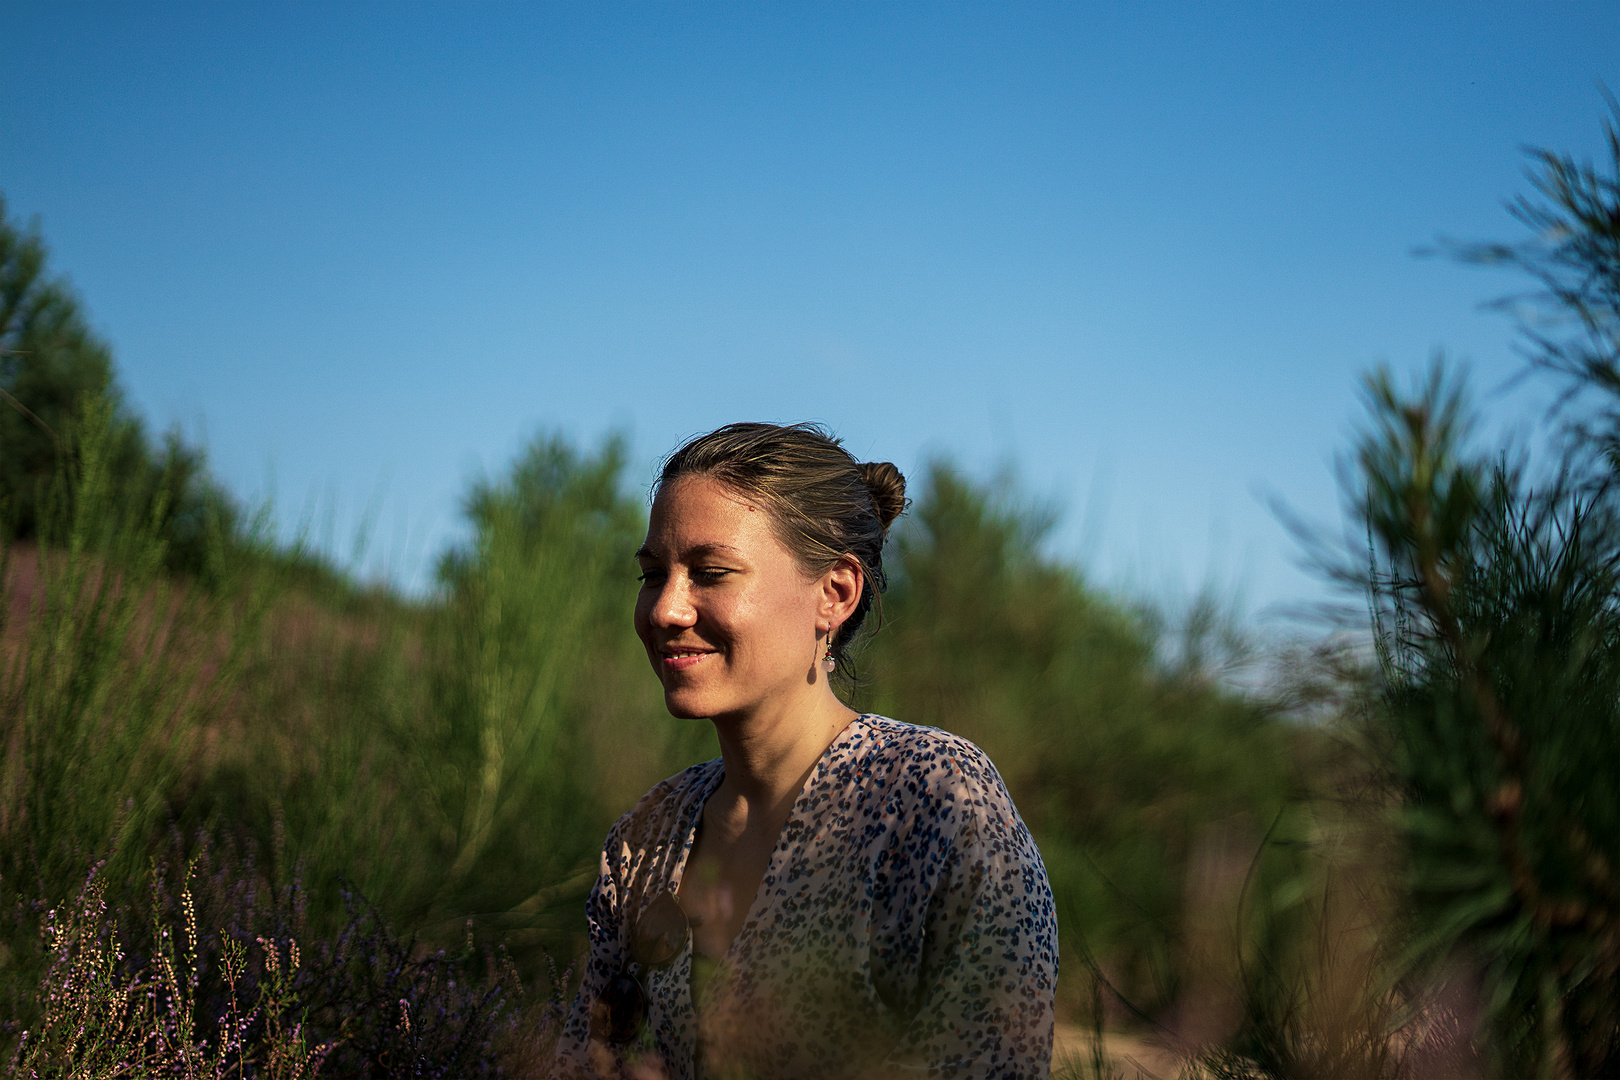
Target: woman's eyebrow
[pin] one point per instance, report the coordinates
(695, 552)
(700, 550)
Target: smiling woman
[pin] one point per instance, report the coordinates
(838, 894)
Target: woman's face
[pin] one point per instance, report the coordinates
(729, 618)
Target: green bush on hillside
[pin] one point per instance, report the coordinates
(51, 363)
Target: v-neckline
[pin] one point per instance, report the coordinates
(694, 821)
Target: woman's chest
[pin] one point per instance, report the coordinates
(824, 960)
(836, 921)
(721, 880)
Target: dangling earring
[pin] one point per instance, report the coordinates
(827, 662)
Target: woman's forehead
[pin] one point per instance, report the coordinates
(699, 515)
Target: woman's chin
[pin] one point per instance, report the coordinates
(684, 704)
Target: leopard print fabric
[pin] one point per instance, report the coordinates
(904, 926)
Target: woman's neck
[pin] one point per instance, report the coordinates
(768, 754)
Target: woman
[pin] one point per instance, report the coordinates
(837, 894)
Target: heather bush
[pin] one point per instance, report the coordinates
(103, 1014)
(213, 973)
(388, 1004)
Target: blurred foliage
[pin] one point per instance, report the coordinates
(460, 757)
(1122, 765)
(435, 763)
(1496, 590)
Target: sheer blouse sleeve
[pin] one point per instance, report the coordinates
(984, 1005)
(603, 915)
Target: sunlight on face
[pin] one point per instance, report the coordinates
(727, 614)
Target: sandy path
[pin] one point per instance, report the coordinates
(1132, 1057)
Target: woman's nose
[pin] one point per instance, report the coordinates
(673, 606)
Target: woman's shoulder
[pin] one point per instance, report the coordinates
(929, 762)
(943, 786)
(918, 747)
(666, 804)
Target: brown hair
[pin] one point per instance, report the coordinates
(825, 503)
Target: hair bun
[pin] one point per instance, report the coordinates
(887, 487)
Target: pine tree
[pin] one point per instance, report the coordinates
(1496, 597)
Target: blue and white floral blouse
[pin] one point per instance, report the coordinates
(904, 925)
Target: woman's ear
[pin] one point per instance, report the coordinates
(840, 591)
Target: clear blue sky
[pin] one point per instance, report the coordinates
(1139, 251)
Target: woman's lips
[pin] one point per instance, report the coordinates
(681, 660)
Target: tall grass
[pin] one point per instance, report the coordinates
(107, 688)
